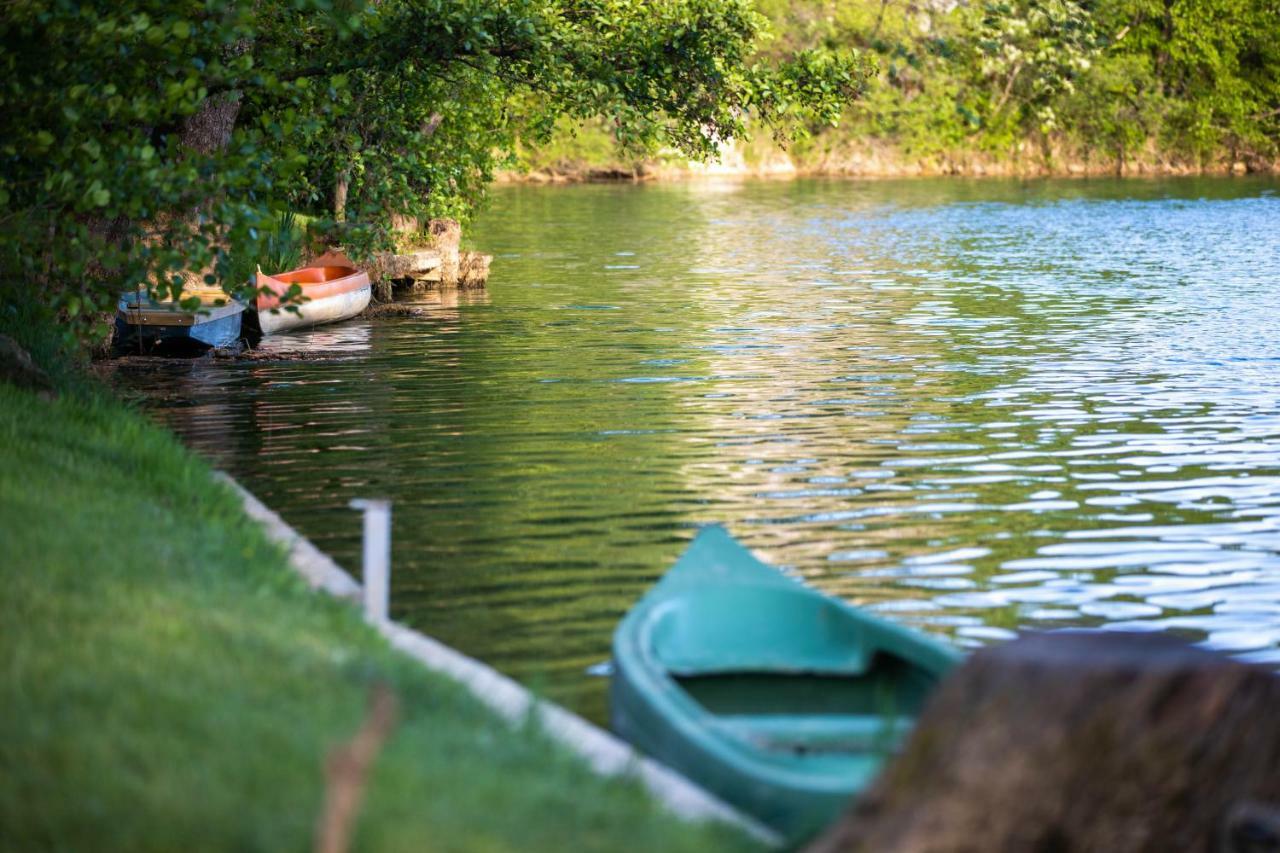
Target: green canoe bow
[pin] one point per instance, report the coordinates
(780, 700)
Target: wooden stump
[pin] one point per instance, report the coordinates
(473, 269)
(1083, 742)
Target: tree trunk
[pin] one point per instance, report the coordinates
(875, 31)
(1083, 742)
(209, 128)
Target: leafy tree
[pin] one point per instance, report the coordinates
(1179, 80)
(107, 178)
(150, 142)
(1030, 53)
(1211, 66)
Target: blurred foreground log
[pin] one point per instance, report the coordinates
(1083, 742)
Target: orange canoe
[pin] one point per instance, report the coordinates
(329, 294)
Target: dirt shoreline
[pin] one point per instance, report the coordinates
(878, 161)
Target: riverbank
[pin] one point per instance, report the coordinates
(581, 158)
(169, 679)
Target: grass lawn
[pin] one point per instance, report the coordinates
(168, 684)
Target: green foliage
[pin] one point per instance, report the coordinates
(1189, 79)
(283, 241)
(1212, 67)
(1196, 81)
(94, 185)
(572, 143)
(149, 142)
(1030, 53)
(284, 244)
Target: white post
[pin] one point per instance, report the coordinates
(377, 557)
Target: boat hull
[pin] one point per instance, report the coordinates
(165, 328)
(315, 312)
(780, 700)
(321, 294)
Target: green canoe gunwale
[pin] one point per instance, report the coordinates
(692, 641)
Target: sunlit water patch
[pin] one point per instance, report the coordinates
(971, 406)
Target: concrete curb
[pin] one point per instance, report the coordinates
(604, 753)
(316, 567)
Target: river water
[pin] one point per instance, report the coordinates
(970, 405)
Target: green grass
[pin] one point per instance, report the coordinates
(168, 684)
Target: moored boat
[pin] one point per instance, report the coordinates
(150, 325)
(329, 293)
(780, 700)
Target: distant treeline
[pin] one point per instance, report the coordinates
(1038, 85)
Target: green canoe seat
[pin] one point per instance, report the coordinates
(807, 734)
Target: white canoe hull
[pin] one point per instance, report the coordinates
(316, 312)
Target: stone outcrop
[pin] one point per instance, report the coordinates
(429, 257)
(1083, 742)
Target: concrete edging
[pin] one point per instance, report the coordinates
(604, 754)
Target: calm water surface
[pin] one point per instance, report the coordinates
(972, 406)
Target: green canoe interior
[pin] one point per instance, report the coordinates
(800, 678)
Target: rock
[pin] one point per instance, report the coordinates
(404, 224)
(434, 259)
(1078, 741)
(414, 264)
(17, 368)
(408, 269)
(230, 351)
(613, 173)
(392, 309)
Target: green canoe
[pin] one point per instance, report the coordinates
(780, 700)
